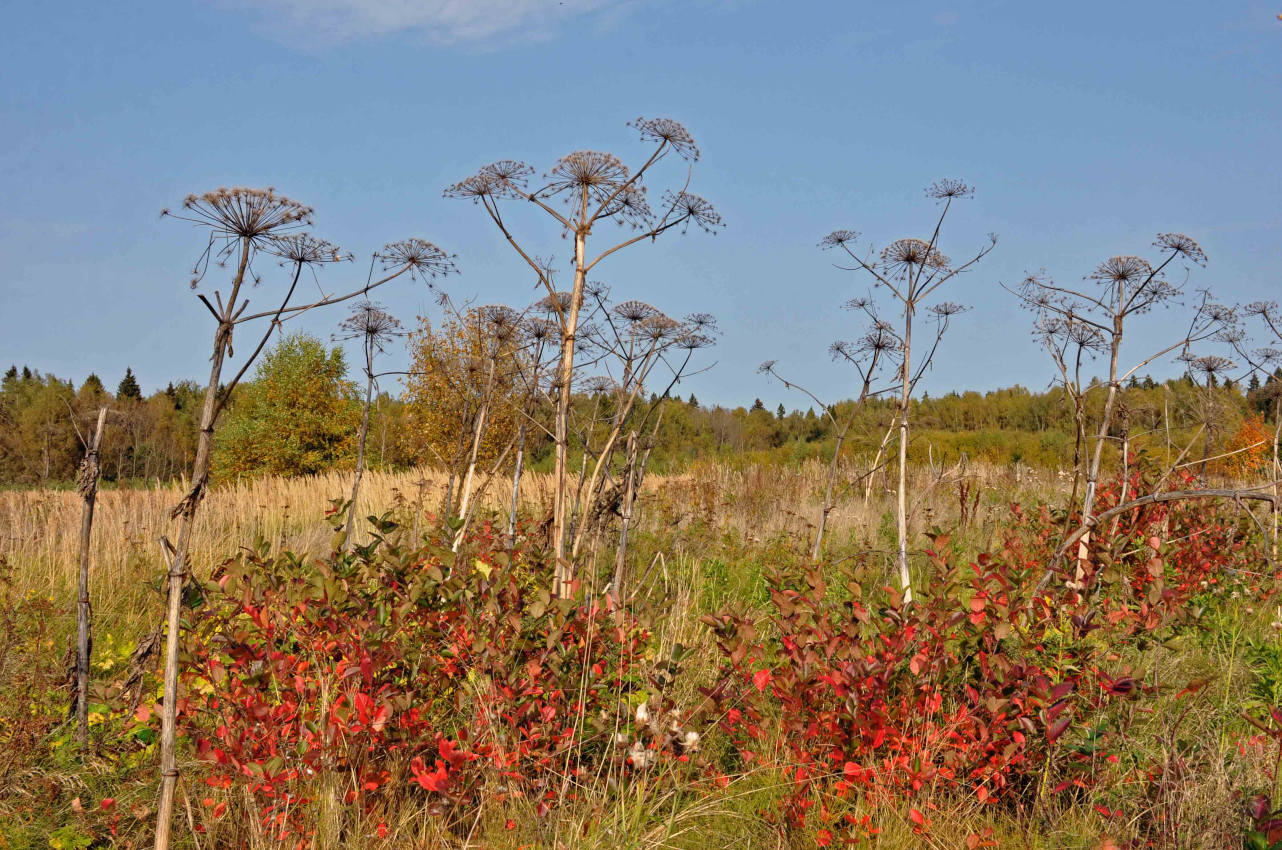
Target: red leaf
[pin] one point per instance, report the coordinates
(1057, 728)
(760, 679)
(917, 817)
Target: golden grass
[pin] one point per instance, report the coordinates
(39, 528)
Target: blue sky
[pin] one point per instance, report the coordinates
(1086, 129)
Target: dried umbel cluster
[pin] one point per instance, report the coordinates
(1210, 366)
(904, 256)
(240, 219)
(597, 185)
(667, 133)
(306, 250)
(370, 322)
(421, 258)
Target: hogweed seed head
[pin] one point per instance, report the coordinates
(948, 189)
(693, 209)
(372, 323)
(1123, 270)
(669, 132)
(839, 239)
(1181, 245)
(904, 254)
(422, 257)
(305, 249)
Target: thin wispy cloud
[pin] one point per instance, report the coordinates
(465, 22)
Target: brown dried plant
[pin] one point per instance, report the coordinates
(581, 191)
(913, 271)
(375, 328)
(241, 224)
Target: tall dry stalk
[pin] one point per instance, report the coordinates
(375, 328)
(912, 270)
(242, 224)
(502, 327)
(867, 355)
(594, 188)
(1128, 286)
(87, 486)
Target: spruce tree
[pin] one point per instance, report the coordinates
(93, 384)
(780, 413)
(757, 405)
(693, 402)
(129, 388)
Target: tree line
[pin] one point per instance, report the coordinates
(300, 413)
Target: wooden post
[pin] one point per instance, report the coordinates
(87, 484)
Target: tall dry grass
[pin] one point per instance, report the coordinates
(38, 528)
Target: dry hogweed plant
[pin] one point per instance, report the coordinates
(583, 190)
(375, 328)
(629, 343)
(913, 271)
(242, 225)
(876, 349)
(1119, 289)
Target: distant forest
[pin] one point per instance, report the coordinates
(151, 436)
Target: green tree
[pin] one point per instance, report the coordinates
(297, 417)
(129, 389)
(92, 385)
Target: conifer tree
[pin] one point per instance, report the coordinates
(129, 388)
(93, 384)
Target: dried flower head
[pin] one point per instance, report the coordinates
(599, 385)
(659, 327)
(635, 311)
(305, 249)
(242, 213)
(558, 302)
(667, 132)
(506, 178)
(501, 322)
(903, 255)
(1263, 309)
(947, 308)
(238, 215)
(372, 323)
(629, 206)
(600, 174)
(1210, 365)
(948, 189)
(421, 256)
(691, 340)
(839, 239)
(687, 208)
(702, 322)
(1181, 245)
(766, 367)
(540, 330)
(1123, 270)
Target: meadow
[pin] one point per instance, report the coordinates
(446, 739)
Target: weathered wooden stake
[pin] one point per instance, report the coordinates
(87, 484)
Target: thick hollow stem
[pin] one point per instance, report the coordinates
(563, 574)
(360, 446)
(178, 565)
(901, 497)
